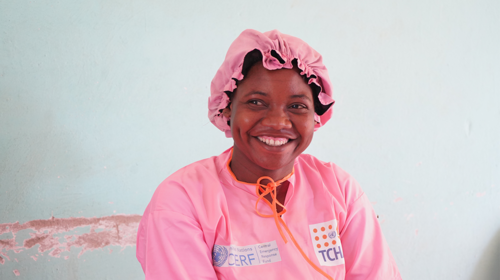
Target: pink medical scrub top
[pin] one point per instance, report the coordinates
(201, 224)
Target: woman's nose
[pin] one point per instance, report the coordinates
(277, 119)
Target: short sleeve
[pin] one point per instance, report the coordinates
(367, 255)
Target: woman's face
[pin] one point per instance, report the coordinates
(272, 119)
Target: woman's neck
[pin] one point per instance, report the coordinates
(248, 172)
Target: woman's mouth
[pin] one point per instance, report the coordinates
(273, 141)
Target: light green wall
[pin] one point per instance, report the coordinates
(102, 100)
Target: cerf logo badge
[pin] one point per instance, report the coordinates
(326, 242)
(243, 256)
(219, 255)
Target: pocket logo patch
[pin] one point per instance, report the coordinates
(326, 242)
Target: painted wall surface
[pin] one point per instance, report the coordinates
(102, 100)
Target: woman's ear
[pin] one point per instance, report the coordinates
(227, 111)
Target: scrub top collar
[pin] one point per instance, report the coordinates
(227, 177)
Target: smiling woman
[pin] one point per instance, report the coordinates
(207, 220)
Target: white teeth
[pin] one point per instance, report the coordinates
(274, 143)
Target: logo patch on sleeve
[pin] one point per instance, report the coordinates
(326, 242)
(240, 256)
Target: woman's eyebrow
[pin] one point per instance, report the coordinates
(302, 96)
(255, 92)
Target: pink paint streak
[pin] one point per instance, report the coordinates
(16, 272)
(116, 230)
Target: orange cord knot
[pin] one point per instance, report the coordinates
(270, 188)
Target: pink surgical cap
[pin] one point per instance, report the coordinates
(288, 48)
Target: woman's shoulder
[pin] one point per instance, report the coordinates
(335, 180)
(195, 170)
(190, 183)
(310, 162)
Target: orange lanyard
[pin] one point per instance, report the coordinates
(270, 188)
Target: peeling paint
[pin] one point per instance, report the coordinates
(116, 230)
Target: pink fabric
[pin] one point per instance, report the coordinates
(201, 208)
(289, 48)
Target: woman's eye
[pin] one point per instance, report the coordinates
(255, 102)
(298, 106)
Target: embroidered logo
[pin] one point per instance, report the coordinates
(219, 255)
(326, 242)
(240, 256)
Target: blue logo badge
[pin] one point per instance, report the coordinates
(219, 255)
(332, 234)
